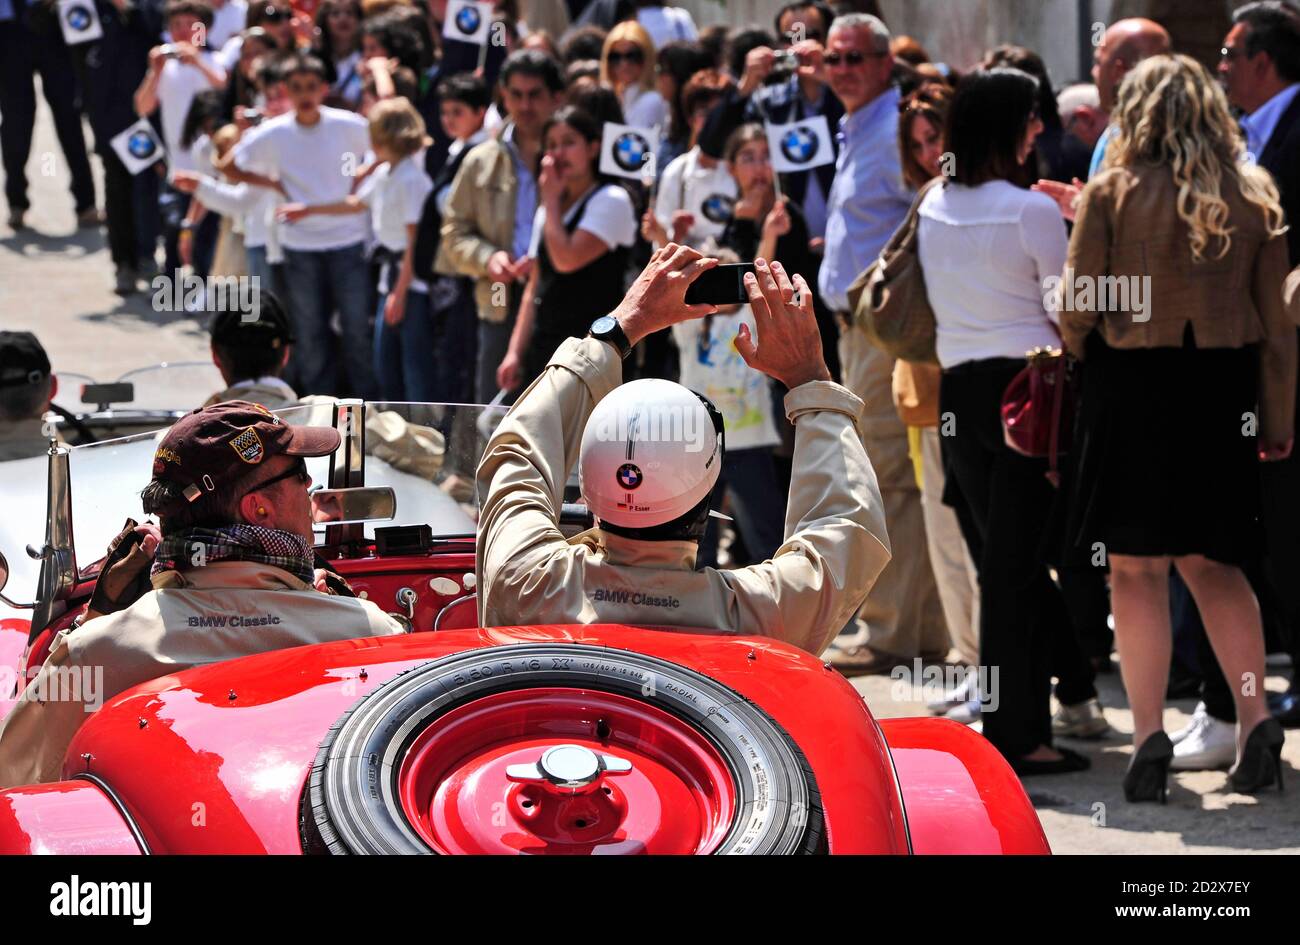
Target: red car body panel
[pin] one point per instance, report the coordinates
(216, 762)
(69, 817)
(13, 641)
(960, 795)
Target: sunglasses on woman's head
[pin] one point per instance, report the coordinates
(635, 57)
(276, 14)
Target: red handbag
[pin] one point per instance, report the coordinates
(1038, 408)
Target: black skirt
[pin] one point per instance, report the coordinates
(1164, 459)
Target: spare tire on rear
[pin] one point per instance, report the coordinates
(352, 803)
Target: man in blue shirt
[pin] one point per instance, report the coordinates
(901, 618)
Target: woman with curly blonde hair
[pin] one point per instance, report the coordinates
(1172, 295)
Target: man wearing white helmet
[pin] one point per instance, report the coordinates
(648, 454)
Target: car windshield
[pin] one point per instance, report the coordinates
(426, 452)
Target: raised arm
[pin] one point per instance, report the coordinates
(522, 474)
(836, 543)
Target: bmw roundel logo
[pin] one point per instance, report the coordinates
(141, 144)
(629, 476)
(78, 18)
(799, 145)
(717, 208)
(630, 150)
(467, 20)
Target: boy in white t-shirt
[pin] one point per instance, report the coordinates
(394, 193)
(178, 71)
(312, 156)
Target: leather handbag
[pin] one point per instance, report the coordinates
(889, 300)
(915, 388)
(1038, 408)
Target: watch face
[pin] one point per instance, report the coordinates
(602, 325)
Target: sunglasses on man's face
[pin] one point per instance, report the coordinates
(853, 58)
(633, 56)
(298, 469)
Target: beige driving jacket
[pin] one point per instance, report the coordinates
(219, 612)
(835, 548)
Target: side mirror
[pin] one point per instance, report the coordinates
(349, 506)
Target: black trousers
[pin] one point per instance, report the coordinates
(22, 54)
(1026, 635)
(1281, 512)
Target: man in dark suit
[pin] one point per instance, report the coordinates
(31, 42)
(1260, 68)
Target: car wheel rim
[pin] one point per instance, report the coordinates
(560, 770)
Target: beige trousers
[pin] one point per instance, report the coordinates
(902, 616)
(954, 571)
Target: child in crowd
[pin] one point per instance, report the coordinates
(253, 207)
(394, 192)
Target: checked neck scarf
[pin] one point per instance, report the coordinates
(196, 547)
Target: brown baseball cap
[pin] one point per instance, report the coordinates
(221, 445)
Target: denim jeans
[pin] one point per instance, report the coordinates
(404, 368)
(318, 282)
(493, 343)
(269, 275)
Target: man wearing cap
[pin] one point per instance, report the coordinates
(251, 353)
(232, 575)
(26, 389)
(648, 454)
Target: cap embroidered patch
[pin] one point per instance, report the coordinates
(248, 445)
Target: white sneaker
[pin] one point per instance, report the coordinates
(953, 697)
(1204, 744)
(967, 713)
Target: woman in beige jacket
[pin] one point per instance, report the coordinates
(1173, 296)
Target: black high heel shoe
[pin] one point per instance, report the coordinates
(1260, 764)
(1145, 779)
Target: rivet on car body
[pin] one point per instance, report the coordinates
(827, 666)
(87, 757)
(751, 655)
(231, 695)
(364, 675)
(144, 723)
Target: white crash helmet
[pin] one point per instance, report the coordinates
(651, 452)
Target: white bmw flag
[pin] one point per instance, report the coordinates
(625, 150)
(468, 21)
(138, 146)
(79, 21)
(800, 145)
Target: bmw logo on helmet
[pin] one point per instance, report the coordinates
(467, 20)
(717, 208)
(141, 144)
(629, 476)
(78, 18)
(630, 150)
(799, 145)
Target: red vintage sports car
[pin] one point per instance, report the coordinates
(455, 738)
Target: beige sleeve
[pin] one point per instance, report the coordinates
(39, 728)
(1088, 258)
(521, 551)
(1277, 352)
(463, 251)
(837, 543)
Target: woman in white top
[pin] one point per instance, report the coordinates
(627, 65)
(986, 246)
(582, 233)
